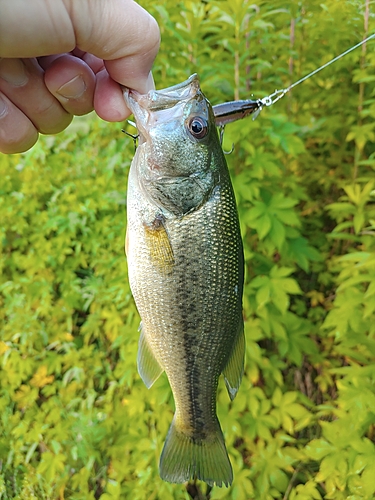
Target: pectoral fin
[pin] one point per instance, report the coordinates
(159, 245)
(148, 366)
(234, 369)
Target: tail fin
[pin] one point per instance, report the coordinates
(183, 459)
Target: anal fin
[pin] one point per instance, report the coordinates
(148, 367)
(234, 369)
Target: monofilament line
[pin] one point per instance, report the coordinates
(278, 94)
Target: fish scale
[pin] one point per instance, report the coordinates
(185, 262)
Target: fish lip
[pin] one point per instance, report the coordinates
(143, 105)
(164, 98)
(141, 115)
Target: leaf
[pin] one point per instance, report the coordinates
(263, 226)
(290, 286)
(277, 233)
(358, 222)
(40, 378)
(263, 295)
(281, 272)
(318, 449)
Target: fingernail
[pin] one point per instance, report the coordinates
(3, 107)
(13, 71)
(150, 85)
(73, 89)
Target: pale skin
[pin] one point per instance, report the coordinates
(60, 58)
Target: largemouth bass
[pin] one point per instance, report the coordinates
(185, 262)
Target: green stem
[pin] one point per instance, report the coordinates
(357, 152)
(291, 60)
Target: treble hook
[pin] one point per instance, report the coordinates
(231, 150)
(134, 137)
(221, 137)
(221, 134)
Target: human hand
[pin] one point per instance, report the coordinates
(60, 58)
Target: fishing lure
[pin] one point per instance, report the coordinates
(232, 111)
(236, 110)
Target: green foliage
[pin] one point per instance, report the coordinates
(76, 421)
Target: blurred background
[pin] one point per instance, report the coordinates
(76, 420)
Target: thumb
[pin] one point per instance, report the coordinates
(121, 33)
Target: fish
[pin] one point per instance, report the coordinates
(186, 272)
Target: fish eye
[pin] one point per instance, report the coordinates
(198, 127)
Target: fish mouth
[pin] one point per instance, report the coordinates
(166, 98)
(144, 105)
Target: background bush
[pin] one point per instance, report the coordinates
(75, 419)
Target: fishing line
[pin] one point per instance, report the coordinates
(278, 94)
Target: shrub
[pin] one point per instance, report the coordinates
(76, 421)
